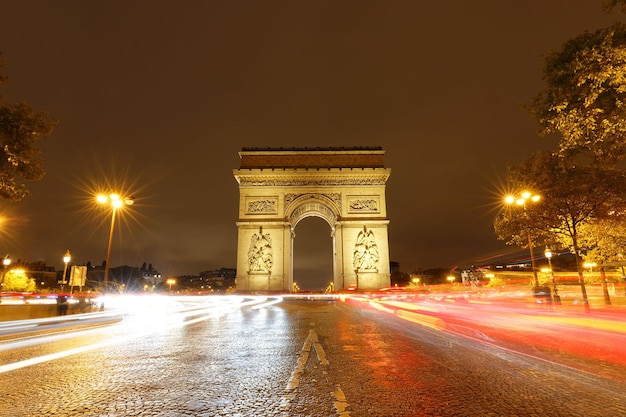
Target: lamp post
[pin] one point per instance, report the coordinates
(521, 201)
(556, 297)
(116, 202)
(66, 259)
(548, 254)
(590, 265)
(451, 279)
(171, 281)
(5, 262)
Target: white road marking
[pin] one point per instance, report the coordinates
(339, 399)
(340, 403)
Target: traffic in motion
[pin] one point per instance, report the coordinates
(377, 354)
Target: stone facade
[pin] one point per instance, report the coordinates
(279, 187)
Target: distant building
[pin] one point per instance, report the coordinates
(398, 278)
(46, 277)
(126, 278)
(219, 280)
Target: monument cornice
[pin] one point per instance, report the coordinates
(307, 177)
(322, 158)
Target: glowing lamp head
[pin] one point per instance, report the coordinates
(115, 200)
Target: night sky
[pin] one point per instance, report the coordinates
(157, 98)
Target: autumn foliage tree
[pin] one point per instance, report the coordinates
(574, 197)
(605, 240)
(18, 282)
(20, 159)
(582, 183)
(584, 99)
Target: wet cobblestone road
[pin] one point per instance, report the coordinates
(293, 358)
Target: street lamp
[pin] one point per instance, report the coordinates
(590, 265)
(171, 281)
(521, 201)
(548, 254)
(451, 279)
(66, 259)
(556, 297)
(116, 202)
(5, 262)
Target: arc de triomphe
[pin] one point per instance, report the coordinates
(278, 187)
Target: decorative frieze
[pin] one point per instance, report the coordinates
(258, 181)
(264, 205)
(363, 204)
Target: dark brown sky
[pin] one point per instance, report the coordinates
(161, 95)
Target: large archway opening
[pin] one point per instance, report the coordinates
(312, 254)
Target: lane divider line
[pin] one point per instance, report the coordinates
(294, 379)
(312, 342)
(319, 350)
(340, 403)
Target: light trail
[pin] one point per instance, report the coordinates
(139, 327)
(29, 341)
(516, 325)
(270, 302)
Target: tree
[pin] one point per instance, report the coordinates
(584, 99)
(605, 240)
(18, 282)
(610, 5)
(20, 160)
(574, 194)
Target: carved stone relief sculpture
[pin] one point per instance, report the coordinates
(364, 205)
(262, 206)
(260, 257)
(366, 254)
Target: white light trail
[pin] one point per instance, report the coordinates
(140, 328)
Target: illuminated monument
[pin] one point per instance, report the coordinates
(278, 187)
